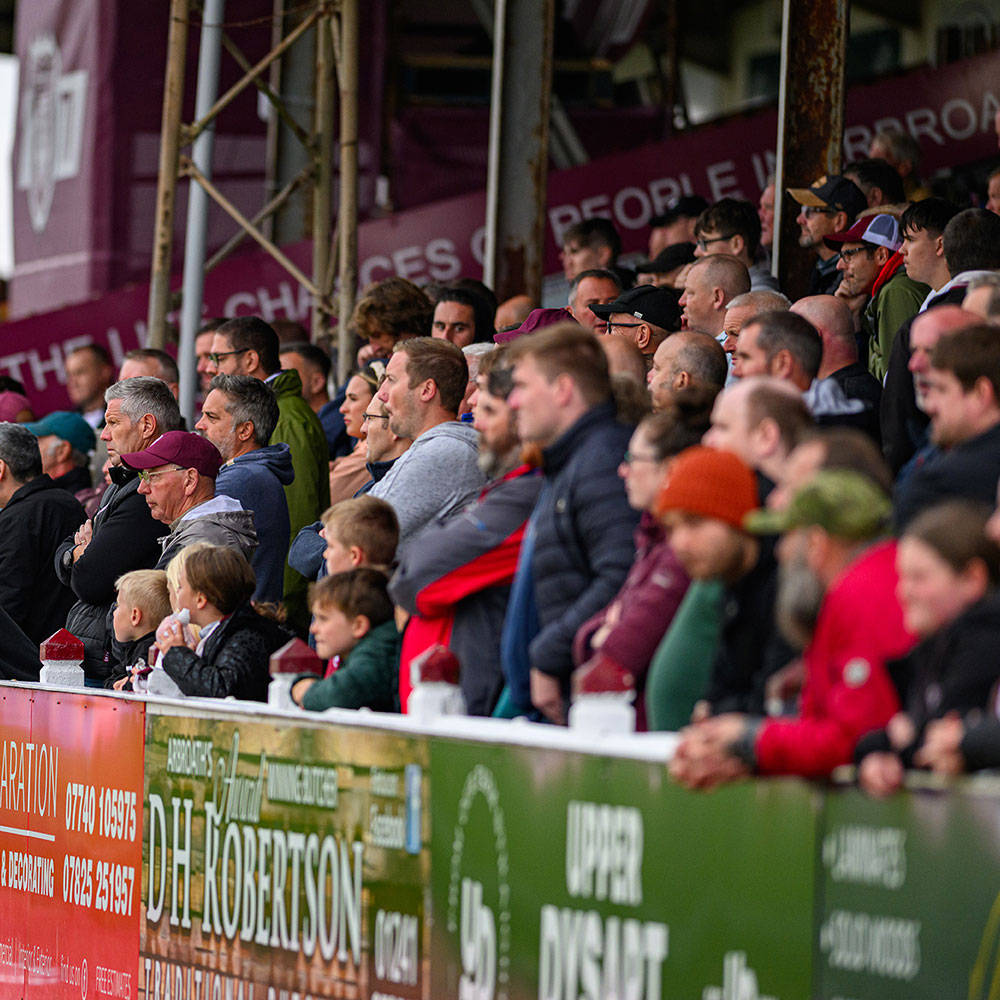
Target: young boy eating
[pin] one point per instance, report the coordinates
(353, 619)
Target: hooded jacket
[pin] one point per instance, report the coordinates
(257, 480)
(126, 537)
(438, 475)
(895, 299)
(308, 494)
(36, 519)
(219, 521)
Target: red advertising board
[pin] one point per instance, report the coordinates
(949, 110)
(70, 845)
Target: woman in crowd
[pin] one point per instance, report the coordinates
(349, 474)
(949, 570)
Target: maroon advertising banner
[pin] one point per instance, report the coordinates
(950, 111)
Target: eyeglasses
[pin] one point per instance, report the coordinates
(810, 210)
(623, 326)
(147, 477)
(702, 244)
(216, 357)
(630, 458)
(848, 254)
(374, 416)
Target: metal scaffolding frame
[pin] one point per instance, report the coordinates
(337, 40)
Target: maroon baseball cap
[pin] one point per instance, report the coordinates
(190, 451)
(537, 319)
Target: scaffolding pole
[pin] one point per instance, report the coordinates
(347, 218)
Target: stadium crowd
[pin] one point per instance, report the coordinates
(768, 524)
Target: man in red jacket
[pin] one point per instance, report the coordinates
(837, 592)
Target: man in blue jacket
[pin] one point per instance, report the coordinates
(579, 546)
(238, 417)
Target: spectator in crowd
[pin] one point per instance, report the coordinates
(949, 569)
(644, 315)
(578, 546)
(983, 298)
(215, 584)
(829, 205)
(593, 287)
(423, 387)
(454, 578)
(123, 534)
(88, 374)
(765, 212)
(879, 182)
(64, 440)
(832, 320)
(15, 408)
(177, 474)
(314, 366)
(676, 224)
(993, 191)
(742, 308)
(702, 505)
(349, 474)
(238, 417)
(352, 620)
(382, 446)
(203, 352)
(962, 399)
(363, 531)
(875, 285)
(512, 312)
(614, 648)
(143, 602)
(152, 362)
(593, 243)
(711, 284)
(900, 150)
(760, 419)
(537, 319)
(474, 355)
(35, 516)
(837, 599)
(248, 346)
(394, 310)
(732, 227)
(462, 316)
(665, 269)
(686, 360)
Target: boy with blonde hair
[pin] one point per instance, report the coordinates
(360, 532)
(143, 602)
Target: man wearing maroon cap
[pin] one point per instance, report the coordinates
(875, 286)
(177, 477)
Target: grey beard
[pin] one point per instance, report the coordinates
(800, 595)
(494, 464)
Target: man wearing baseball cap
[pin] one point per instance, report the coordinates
(837, 598)
(645, 315)
(829, 205)
(666, 266)
(65, 439)
(177, 477)
(874, 284)
(702, 504)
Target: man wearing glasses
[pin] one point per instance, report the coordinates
(645, 315)
(829, 205)
(733, 227)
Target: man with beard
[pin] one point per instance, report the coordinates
(837, 596)
(454, 577)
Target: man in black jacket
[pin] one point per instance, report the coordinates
(35, 518)
(123, 535)
(579, 545)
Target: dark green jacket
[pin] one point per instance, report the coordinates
(308, 494)
(367, 678)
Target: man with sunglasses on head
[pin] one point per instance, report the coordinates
(828, 205)
(123, 535)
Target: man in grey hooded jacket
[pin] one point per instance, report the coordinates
(177, 475)
(423, 387)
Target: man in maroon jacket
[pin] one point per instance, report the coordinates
(837, 593)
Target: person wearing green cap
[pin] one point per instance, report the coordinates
(837, 598)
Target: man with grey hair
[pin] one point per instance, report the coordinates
(684, 360)
(744, 307)
(983, 297)
(238, 417)
(36, 516)
(123, 534)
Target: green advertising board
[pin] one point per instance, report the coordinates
(911, 895)
(282, 858)
(560, 876)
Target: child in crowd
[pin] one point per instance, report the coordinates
(143, 602)
(360, 532)
(353, 619)
(230, 653)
